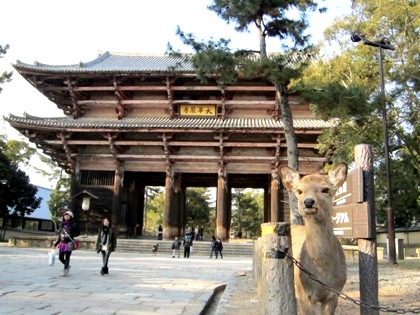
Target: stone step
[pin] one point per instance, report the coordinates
(200, 248)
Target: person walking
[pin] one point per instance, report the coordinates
(65, 240)
(160, 233)
(106, 243)
(188, 242)
(213, 247)
(176, 247)
(219, 248)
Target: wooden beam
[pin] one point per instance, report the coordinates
(175, 158)
(179, 143)
(253, 88)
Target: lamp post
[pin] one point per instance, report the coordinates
(383, 43)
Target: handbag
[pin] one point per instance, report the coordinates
(73, 245)
(51, 257)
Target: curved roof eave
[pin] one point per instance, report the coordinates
(181, 123)
(110, 62)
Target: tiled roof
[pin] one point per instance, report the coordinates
(112, 62)
(166, 123)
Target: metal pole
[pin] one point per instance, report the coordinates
(390, 210)
(383, 43)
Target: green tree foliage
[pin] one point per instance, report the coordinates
(17, 196)
(5, 76)
(59, 196)
(197, 209)
(19, 152)
(155, 206)
(347, 85)
(247, 211)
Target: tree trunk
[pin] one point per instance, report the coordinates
(292, 149)
(263, 45)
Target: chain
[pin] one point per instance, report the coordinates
(346, 297)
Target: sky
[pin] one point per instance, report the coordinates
(67, 32)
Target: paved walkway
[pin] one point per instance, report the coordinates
(137, 284)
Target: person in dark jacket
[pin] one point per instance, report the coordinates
(213, 247)
(65, 240)
(106, 243)
(160, 233)
(176, 246)
(188, 242)
(219, 248)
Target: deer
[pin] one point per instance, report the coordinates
(314, 244)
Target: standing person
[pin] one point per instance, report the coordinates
(219, 248)
(160, 232)
(65, 240)
(213, 247)
(188, 242)
(105, 243)
(176, 246)
(201, 233)
(196, 233)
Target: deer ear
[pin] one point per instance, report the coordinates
(289, 177)
(338, 174)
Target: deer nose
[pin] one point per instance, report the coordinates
(309, 202)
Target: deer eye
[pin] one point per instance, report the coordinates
(299, 191)
(325, 190)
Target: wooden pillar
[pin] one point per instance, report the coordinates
(74, 189)
(175, 211)
(368, 259)
(274, 202)
(116, 200)
(132, 209)
(182, 214)
(221, 209)
(168, 205)
(141, 209)
(266, 213)
(171, 215)
(277, 271)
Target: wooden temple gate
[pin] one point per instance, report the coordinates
(132, 121)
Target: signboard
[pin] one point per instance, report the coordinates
(197, 110)
(351, 221)
(352, 189)
(350, 214)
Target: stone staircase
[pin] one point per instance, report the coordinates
(144, 246)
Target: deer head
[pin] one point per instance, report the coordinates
(315, 192)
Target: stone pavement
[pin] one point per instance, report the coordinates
(137, 283)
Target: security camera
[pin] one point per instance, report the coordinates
(357, 36)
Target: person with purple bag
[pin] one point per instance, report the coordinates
(65, 240)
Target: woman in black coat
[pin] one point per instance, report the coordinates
(106, 243)
(65, 240)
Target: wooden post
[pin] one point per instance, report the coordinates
(368, 258)
(277, 271)
(274, 187)
(221, 209)
(116, 200)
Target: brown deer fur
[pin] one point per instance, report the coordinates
(315, 245)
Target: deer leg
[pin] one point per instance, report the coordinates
(330, 305)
